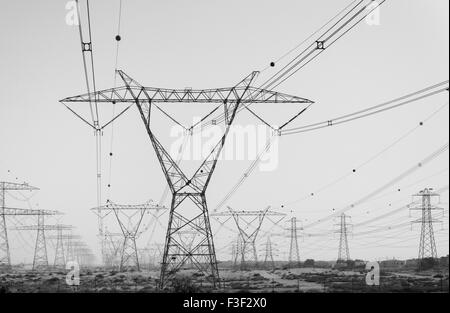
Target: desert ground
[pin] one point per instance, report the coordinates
(317, 280)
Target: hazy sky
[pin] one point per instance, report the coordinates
(208, 44)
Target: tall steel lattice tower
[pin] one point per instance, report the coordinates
(236, 251)
(427, 245)
(344, 252)
(61, 249)
(60, 260)
(129, 218)
(40, 258)
(269, 262)
(294, 252)
(70, 249)
(249, 224)
(60, 257)
(113, 244)
(5, 257)
(189, 211)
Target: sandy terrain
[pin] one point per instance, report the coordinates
(279, 280)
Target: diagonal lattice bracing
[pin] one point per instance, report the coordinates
(249, 225)
(344, 251)
(427, 245)
(129, 219)
(189, 209)
(294, 252)
(40, 258)
(63, 250)
(113, 244)
(269, 262)
(188, 212)
(5, 256)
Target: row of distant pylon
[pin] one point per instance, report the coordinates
(427, 245)
(122, 247)
(121, 250)
(244, 252)
(69, 246)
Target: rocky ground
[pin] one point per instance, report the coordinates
(278, 280)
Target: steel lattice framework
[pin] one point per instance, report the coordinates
(249, 224)
(5, 256)
(269, 262)
(130, 228)
(63, 250)
(344, 252)
(294, 252)
(40, 258)
(70, 251)
(83, 255)
(427, 245)
(191, 215)
(113, 244)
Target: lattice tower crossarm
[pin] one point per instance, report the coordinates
(130, 229)
(427, 244)
(5, 255)
(188, 207)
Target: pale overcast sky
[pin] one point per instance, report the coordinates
(212, 43)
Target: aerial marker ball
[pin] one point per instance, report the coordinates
(118, 38)
(272, 64)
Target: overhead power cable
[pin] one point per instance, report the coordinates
(376, 109)
(406, 173)
(342, 23)
(372, 158)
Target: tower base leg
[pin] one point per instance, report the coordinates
(189, 240)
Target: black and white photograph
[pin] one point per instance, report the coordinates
(224, 152)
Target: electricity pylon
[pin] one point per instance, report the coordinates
(113, 244)
(155, 252)
(40, 258)
(60, 249)
(40, 247)
(150, 256)
(344, 253)
(144, 257)
(294, 252)
(70, 249)
(427, 245)
(233, 251)
(60, 260)
(269, 262)
(83, 255)
(236, 251)
(249, 224)
(129, 218)
(192, 214)
(5, 257)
